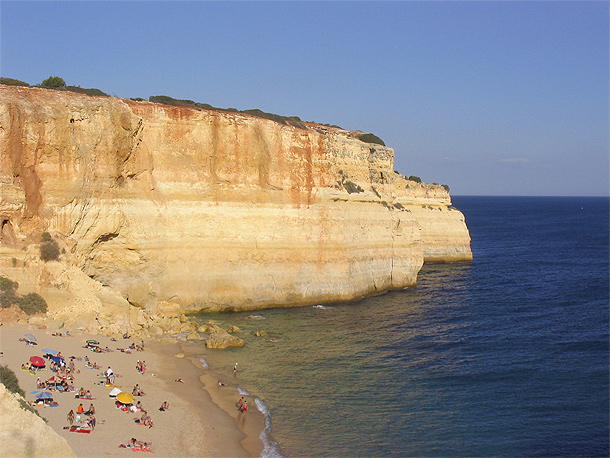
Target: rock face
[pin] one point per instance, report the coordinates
(23, 433)
(214, 210)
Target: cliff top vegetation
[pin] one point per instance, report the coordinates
(58, 83)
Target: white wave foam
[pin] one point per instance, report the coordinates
(319, 307)
(271, 448)
(204, 363)
(242, 392)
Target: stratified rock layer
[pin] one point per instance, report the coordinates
(214, 210)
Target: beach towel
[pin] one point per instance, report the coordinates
(78, 429)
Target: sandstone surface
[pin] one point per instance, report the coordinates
(176, 209)
(24, 434)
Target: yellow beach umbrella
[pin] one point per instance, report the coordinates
(125, 398)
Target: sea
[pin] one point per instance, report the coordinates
(504, 356)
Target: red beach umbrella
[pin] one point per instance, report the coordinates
(37, 361)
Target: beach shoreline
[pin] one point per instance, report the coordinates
(202, 419)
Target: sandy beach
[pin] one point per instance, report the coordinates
(202, 419)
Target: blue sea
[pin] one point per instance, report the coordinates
(507, 356)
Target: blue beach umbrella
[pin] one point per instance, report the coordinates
(44, 395)
(57, 359)
(48, 351)
(30, 337)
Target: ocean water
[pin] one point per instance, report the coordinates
(505, 356)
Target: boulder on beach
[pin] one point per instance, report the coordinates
(223, 339)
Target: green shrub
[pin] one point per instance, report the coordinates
(371, 138)
(33, 303)
(9, 380)
(49, 250)
(8, 298)
(46, 237)
(8, 285)
(166, 100)
(13, 82)
(446, 187)
(53, 82)
(82, 90)
(414, 178)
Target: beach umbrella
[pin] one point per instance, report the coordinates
(44, 395)
(124, 397)
(57, 359)
(37, 361)
(30, 337)
(55, 380)
(48, 351)
(94, 343)
(114, 392)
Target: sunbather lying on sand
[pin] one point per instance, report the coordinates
(137, 445)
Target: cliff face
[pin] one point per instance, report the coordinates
(214, 210)
(22, 433)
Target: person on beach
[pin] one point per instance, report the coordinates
(79, 411)
(109, 376)
(220, 383)
(179, 380)
(91, 410)
(235, 369)
(70, 417)
(137, 391)
(244, 407)
(164, 406)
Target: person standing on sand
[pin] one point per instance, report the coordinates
(70, 417)
(235, 369)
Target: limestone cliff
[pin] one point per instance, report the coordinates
(22, 433)
(214, 210)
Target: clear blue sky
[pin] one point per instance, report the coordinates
(491, 98)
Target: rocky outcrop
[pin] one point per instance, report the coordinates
(220, 339)
(23, 433)
(212, 210)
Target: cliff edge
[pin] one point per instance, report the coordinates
(210, 210)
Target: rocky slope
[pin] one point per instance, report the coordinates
(24, 434)
(208, 209)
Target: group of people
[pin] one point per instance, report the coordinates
(84, 394)
(242, 405)
(90, 422)
(141, 366)
(144, 420)
(137, 391)
(135, 444)
(135, 347)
